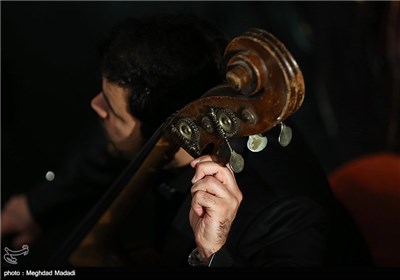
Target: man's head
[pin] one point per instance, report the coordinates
(152, 67)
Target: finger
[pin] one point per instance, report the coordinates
(204, 203)
(209, 168)
(211, 185)
(213, 158)
(198, 209)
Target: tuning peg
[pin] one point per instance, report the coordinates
(285, 136)
(257, 143)
(224, 122)
(236, 161)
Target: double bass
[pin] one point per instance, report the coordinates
(264, 85)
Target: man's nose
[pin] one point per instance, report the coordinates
(99, 105)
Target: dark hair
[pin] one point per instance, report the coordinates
(165, 62)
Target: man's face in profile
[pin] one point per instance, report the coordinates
(122, 129)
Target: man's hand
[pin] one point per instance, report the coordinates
(16, 219)
(215, 200)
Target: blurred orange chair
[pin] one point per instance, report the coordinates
(369, 187)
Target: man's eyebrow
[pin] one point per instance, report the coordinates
(109, 105)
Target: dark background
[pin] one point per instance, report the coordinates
(49, 74)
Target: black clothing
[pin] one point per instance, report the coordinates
(77, 187)
(288, 216)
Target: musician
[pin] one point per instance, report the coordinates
(167, 62)
(279, 211)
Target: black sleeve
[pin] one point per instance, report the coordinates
(222, 258)
(75, 188)
(289, 215)
(289, 232)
